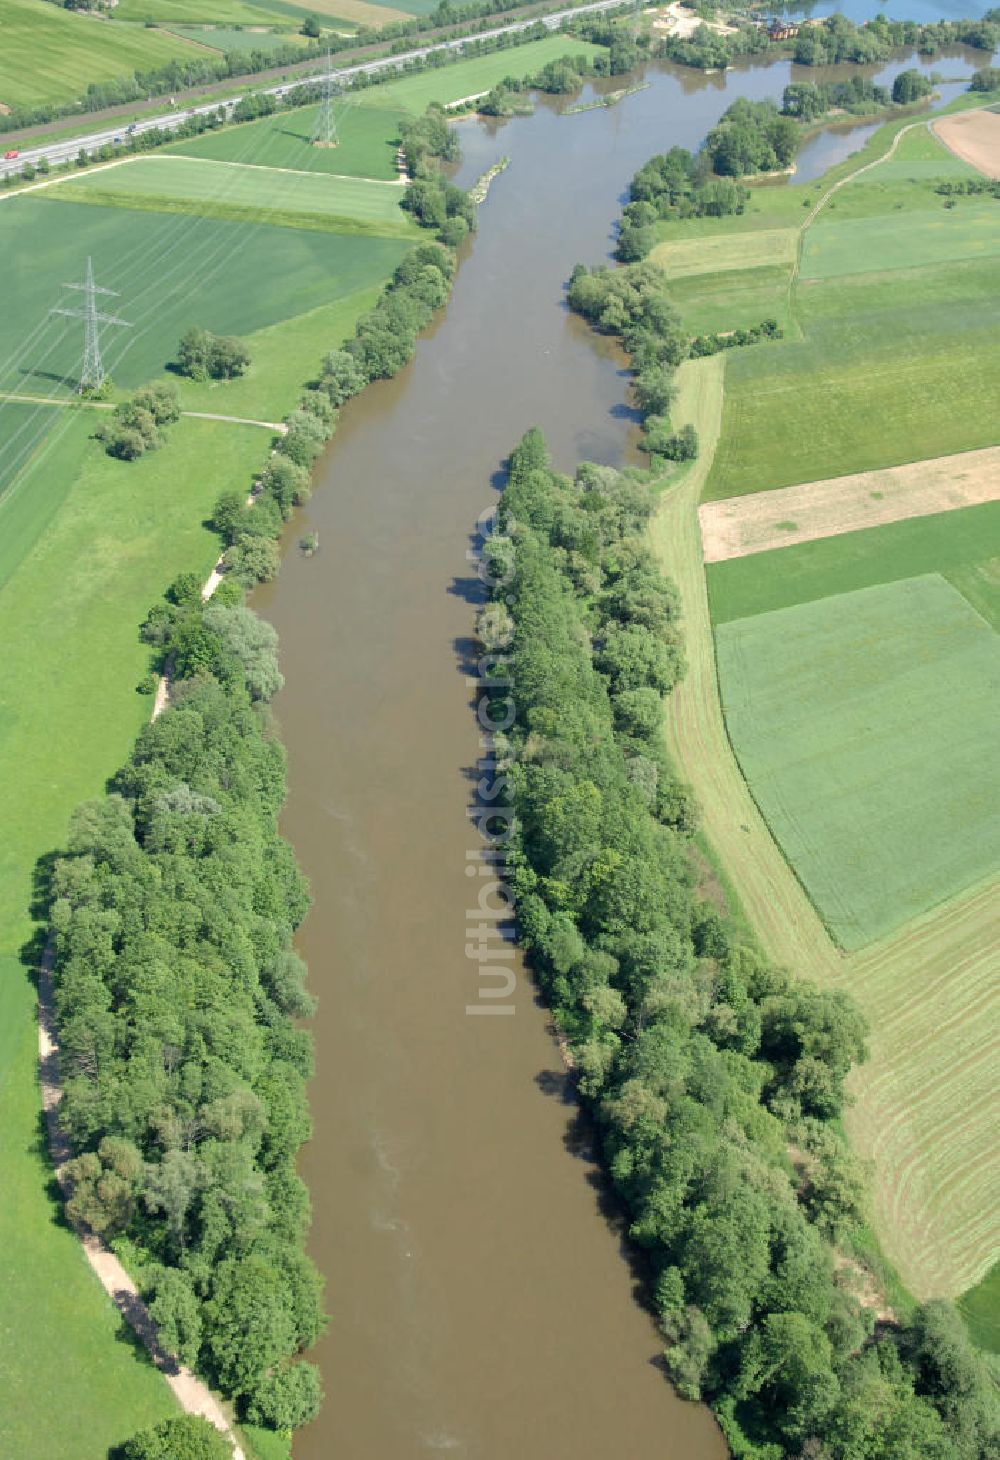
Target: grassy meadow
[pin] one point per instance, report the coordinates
(860, 725)
(68, 715)
(446, 84)
(920, 238)
(367, 146)
(260, 195)
(51, 54)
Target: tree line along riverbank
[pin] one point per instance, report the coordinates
(716, 1081)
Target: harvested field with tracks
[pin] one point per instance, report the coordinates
(975, 137)
(740, 526)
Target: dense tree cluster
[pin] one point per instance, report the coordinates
(632, 303)
(434, 202)
(752, 136)
(837, 39)
(177, 996)
(768, 329)
(205, 356)
(910, 86)
(832, 40)
(186, 1438)
(560, 77)
(675, 184)
(428, 137)
(706, 1069)
(987, 78)
(135, 425)
(968, 187)
(808, 102)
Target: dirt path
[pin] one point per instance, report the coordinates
(193, 1396)
(107, 405)
(278, 426)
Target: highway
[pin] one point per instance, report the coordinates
(67, 149)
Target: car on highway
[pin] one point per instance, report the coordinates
(9, 156)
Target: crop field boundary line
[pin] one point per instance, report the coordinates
(775, 902)
(913, 1162)
(380, 182)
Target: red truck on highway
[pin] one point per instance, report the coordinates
(9, 156)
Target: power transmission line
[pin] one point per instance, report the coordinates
(324, 133)
(92, 375)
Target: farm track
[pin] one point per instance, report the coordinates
(922, 1106)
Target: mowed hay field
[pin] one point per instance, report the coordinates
(752, 524)
(923, 1103)
(866, 731)
(51, 54)
(259, 194)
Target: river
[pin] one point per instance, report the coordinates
(482, 1298)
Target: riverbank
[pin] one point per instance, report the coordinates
(141, 534)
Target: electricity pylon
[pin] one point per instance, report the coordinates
(324, 133)
(92, 375)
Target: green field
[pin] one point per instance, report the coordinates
(198, 12)
(369, 140)
(980, 1307)
(912, 240)
(963, 546)
(221, 39)
(891, 368)
(23, 426)
(171, 273)
(68, 715)
(923, 1110)
(349, 205)
(51, 54)
(862, 727)
(468, 78)
(735, 299)
(763, 248)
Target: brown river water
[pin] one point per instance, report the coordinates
(483, 1303)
